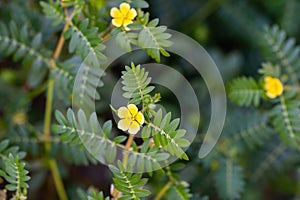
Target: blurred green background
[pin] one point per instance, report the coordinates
(231, 31)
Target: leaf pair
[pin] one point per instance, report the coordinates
(150, 37)
(16, 176)
(166, 135)
(130, 185)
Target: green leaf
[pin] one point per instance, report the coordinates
(229, 180)
(64, 74)
(286, 121)
(251, 132)
(165, 134)
(245, 91)
(16, 176)
(272, 160)
(75, 129)
(86, 42)
(130, 185)
(85, 87)
(268, 69)
(17, 43)
(6, 149)
(139, 4)
(136, 81)
(120, 139)
(3, 145)
(154, 39)
(125, 39)
(146, 132)
(283, 50)
(53, 11)
(90, 194)
(180, 191)
(37, 73)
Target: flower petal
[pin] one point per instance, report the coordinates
(132, 109)
(271, 95)
(140, 118)
(124, 124)
(124, 8)
(267, 79)
(117, 22)
(133, 128)
(123, 112)
(273, 87)
(115, 13)
(127, 29)
(131, 14)
(127, 22)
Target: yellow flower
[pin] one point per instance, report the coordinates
(122, 16)
(273, 87)
(131, 119)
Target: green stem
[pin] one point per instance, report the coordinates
(172, 181)
(163, 191)
(57, 180)
(169, 173)
(48, 113)
(37, 91)
(52, 163)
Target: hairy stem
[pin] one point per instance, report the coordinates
(127, 147)
(172, 181)
(47, 120)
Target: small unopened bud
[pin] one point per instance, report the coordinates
(114, 192)
(19, 118)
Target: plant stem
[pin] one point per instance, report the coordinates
(37, 91)
(48, 113)
(52, 163)
(106, 33)
(47, 120)
(127, 147)
(163, 191)
(129, 142)
(61, 41)
(169, 173)
(172, 181)
(57, 180)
